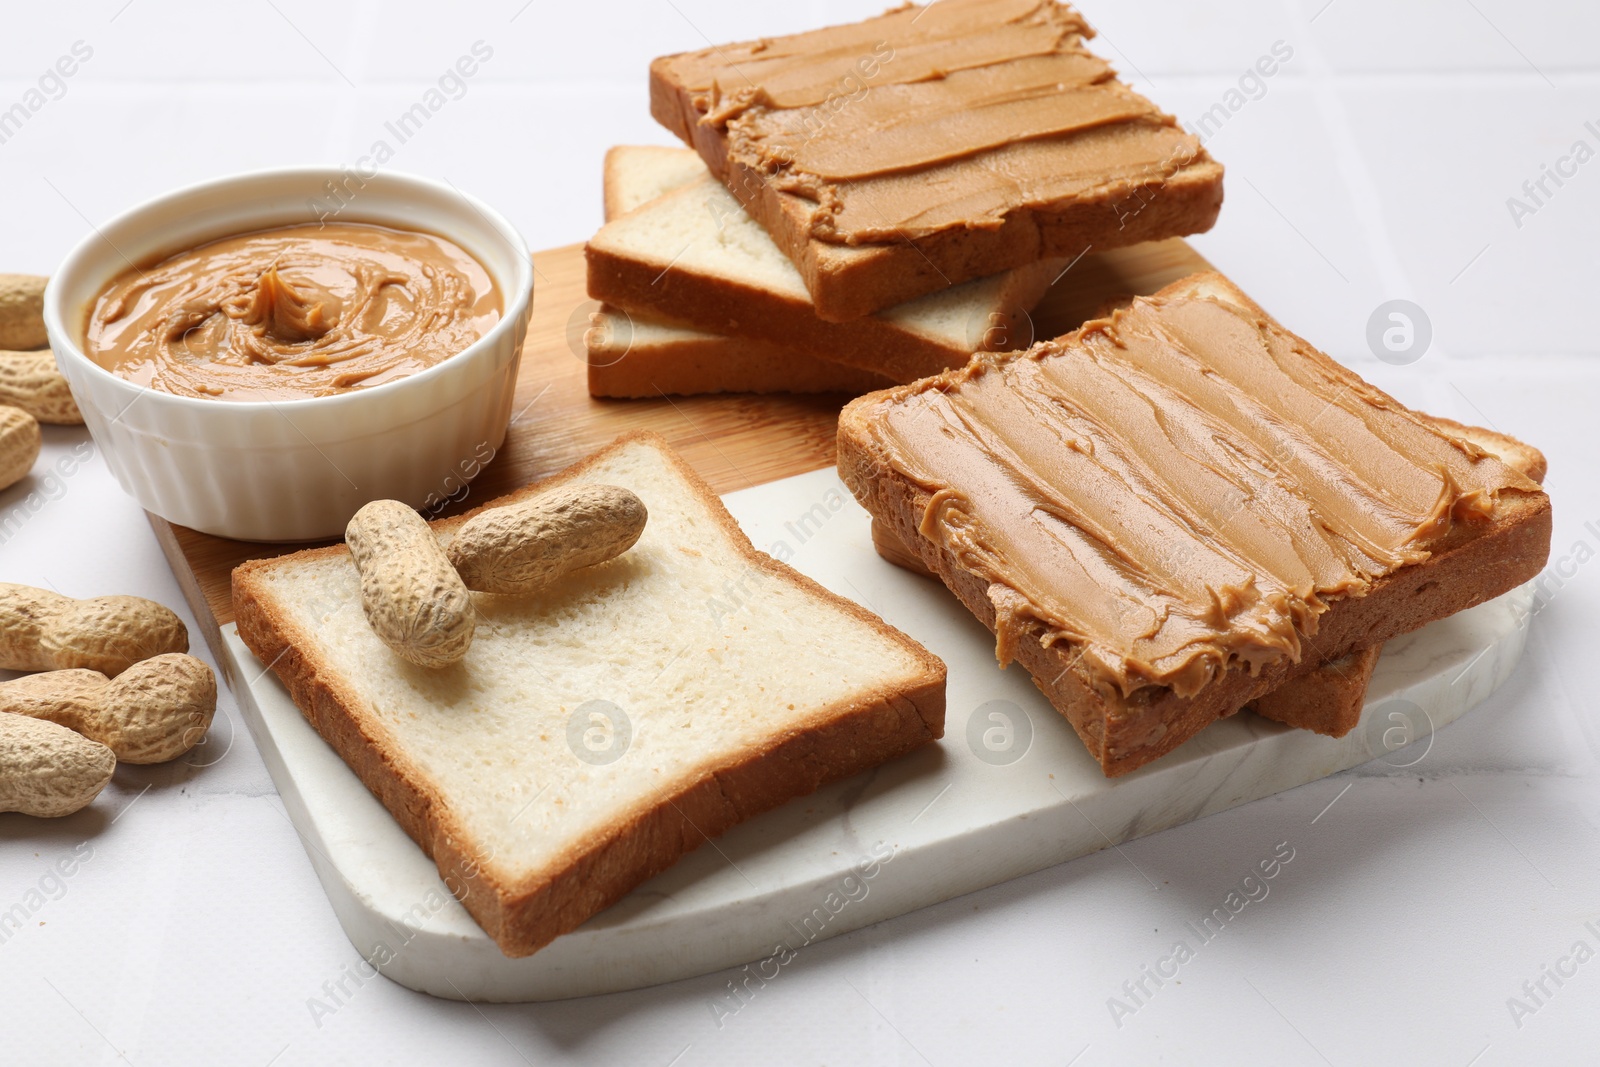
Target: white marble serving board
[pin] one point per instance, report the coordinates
(1010, 790)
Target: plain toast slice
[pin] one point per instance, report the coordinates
(599, 731)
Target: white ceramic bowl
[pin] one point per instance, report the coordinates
(294, 470)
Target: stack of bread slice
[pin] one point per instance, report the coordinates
(698, 298)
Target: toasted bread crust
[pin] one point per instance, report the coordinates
(1512, 452)
(847, 283)
(610, 199)
(704, 365)
(1327, 699)
(524, 913)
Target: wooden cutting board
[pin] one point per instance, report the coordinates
(735, 441)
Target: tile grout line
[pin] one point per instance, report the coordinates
(1357, 177)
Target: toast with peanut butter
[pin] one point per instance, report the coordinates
(935, 144)
(1171, 512)
(1329, 698)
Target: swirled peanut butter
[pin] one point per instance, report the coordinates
(954, 114)
(1180, 488)
(293, 312)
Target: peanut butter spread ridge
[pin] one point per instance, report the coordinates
(931, 118)
(1178, 489)
(293, 312)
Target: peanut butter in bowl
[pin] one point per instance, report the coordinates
(293, 312)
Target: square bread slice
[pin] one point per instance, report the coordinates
(934, 144)
(597, 732)
(692, 257)
(1171, 512)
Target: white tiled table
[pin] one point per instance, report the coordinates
(1376, 164)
